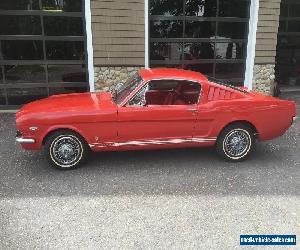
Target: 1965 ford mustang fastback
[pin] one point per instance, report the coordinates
(158, 108)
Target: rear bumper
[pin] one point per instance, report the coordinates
(294, 119)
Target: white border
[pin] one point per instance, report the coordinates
(251, 44)
(89, 44)
(146, 33)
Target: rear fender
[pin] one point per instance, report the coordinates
(238, 119)
(275, 122)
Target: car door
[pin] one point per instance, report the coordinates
(159, 123)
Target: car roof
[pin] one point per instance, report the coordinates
(171, 73)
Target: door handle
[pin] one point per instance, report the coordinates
(193, 110)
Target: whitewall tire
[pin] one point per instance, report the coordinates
(65, 149)
(236, 142)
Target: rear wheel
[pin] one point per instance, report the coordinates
(66, 150)
(236, 142)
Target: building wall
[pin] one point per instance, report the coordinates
(118, 29)
(265, 55)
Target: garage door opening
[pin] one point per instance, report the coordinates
(288, 47)
(206, 36)
(42, 50)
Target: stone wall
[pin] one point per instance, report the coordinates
(110, 78)
(263, 78)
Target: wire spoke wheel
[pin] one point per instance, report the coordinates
(66, 151)
(237, 143)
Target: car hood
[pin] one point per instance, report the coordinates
(69, 102)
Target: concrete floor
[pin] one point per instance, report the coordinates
(173, 199)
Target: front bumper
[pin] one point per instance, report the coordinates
(25, 140)
(21, 139)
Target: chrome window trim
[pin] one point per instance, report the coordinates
(133, 93)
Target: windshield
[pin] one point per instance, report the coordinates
(127, 88)
(226, 84)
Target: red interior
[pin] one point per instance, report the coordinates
(184, 94)
(156, 97)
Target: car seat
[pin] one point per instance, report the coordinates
(178, 97)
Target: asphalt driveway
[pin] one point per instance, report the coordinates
(156, 199)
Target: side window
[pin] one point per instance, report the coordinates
(164, 85)
(167, 92)
(187, 93)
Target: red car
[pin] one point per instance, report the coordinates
(156, 109)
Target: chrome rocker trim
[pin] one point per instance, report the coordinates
(153, 142)
(25, 140)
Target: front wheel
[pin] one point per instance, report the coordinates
(236, 142)
(65, 149)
